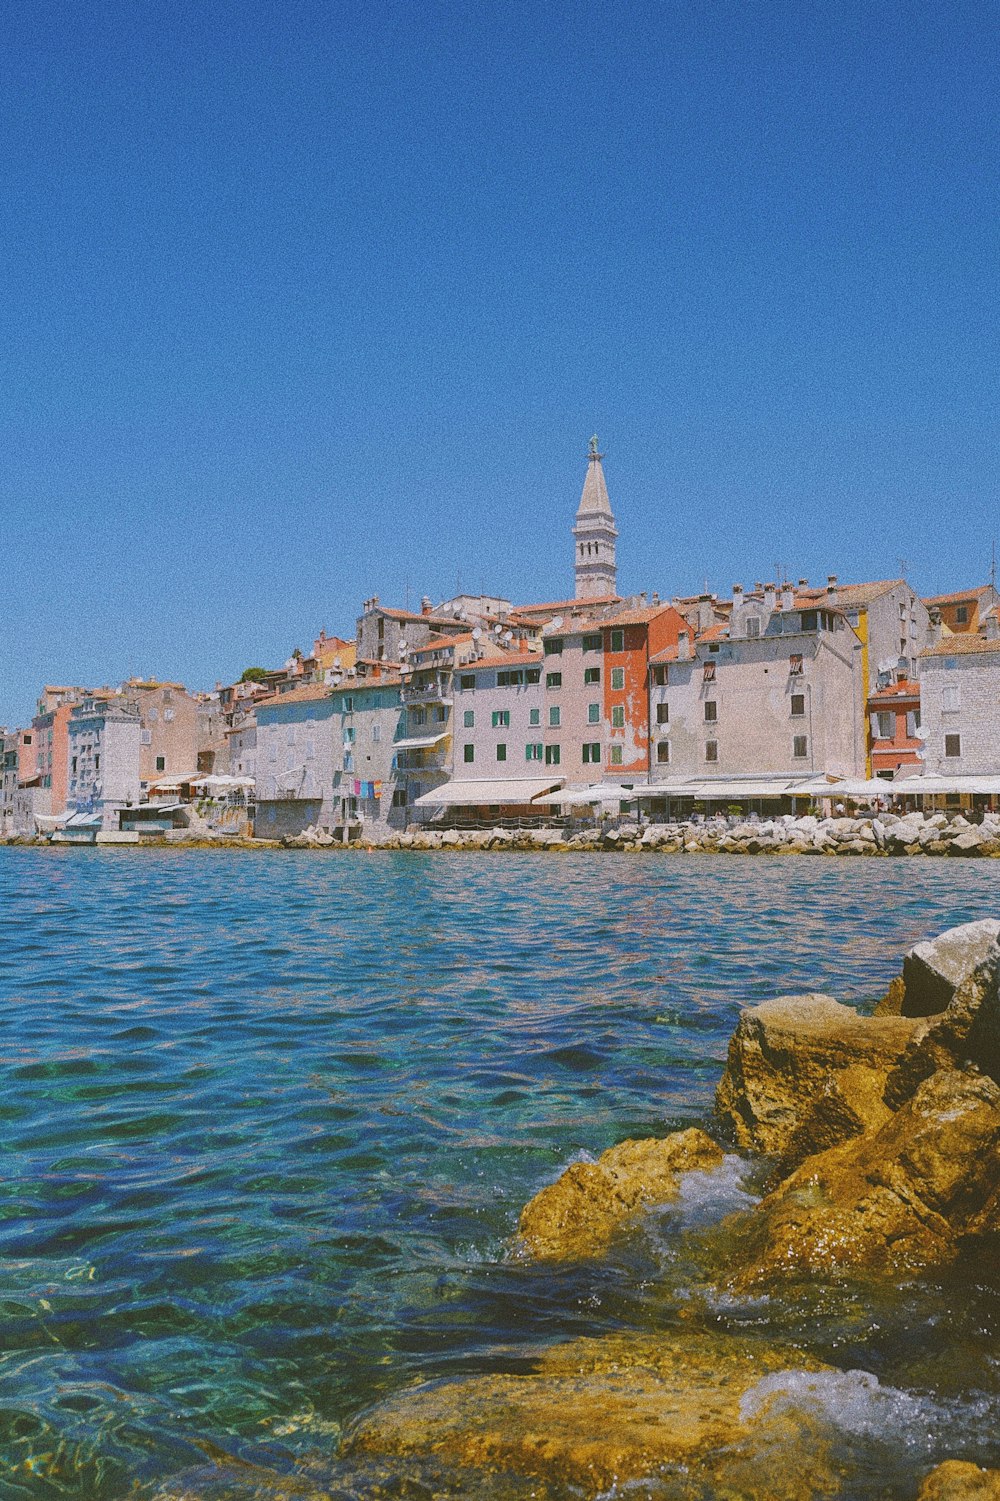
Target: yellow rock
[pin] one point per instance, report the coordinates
(577, 1216)
(600, 1412)
(956, 1480)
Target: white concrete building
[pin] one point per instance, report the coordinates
(960, 704)
(105, 746)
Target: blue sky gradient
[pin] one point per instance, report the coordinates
(311, 301)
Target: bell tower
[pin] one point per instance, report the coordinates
(594, 534)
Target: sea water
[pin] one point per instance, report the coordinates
(268, 1120)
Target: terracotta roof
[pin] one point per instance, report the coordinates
(308, 693)
(568, 604)
(360, 685)
(505, 659)
(959, 597)
(847, 596)
(959, 646)
(904, 689)
(438, 643)
(718, 632)
(448, 620)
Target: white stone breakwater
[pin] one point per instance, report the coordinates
(886, 834)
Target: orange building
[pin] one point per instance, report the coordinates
(895, 719)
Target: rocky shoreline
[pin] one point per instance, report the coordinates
(888, 834)
(880, 1139)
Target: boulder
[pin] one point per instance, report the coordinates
(578, 1216)
(600, 1414)
(967, 1032)
(933, 971)
(885, 1205)
(805, 1073)
(958, 1480)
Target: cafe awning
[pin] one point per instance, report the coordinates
(472, 794)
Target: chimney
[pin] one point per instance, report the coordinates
(769, 596)
(991, 626)
(831, 589)
(803, 583)
(706, 615)
(656, 598)
(933, 626)
(787, 597)
(425, 605)
(683, 647)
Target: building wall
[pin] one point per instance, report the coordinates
(104, 750)
(960, 695)
(520, 702)
(754, 692)
(368, 720)
(295, 761)
(170, 729)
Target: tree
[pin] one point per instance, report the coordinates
(253, 675)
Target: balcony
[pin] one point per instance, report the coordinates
(428, 688)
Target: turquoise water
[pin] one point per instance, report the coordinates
(269, 1119)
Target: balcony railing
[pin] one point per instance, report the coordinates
(428, 691)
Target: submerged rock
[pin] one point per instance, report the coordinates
(966, 1032)
(577, 1216)
(805, 1073)
(957, 1480)
(677, 1408)
(891, 1203)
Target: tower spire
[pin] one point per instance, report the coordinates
(595, 533)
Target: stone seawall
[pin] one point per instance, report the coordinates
(886, 834)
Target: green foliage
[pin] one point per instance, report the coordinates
(253, 675)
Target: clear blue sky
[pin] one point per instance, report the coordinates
(306, 301)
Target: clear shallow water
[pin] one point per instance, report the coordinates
(268, 1122)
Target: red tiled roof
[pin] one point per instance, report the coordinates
(904, 689)
(505, 659)
(308, 693)
(959, 597)
(958, 646)
(438, 643)
(568, 604)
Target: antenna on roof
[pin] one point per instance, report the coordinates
(902, 564)
(993, 565)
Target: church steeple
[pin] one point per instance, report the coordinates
(594, 533)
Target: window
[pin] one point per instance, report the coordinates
(440, 713)
(663, 713)
(168, 715)
(617, 679)
(810, 621)
(711, 750)
(591, 675)
(593, 713)
(616, 755)
(663, 753)
(592, 753)
(592, 642)
(348, 760)
(501, 719)
(510, 678)
(795, 664)
(376, 733)
(153, 715)
(554, 716)
(912, 723)
(349, 703)
(961, 614)
(552, 755)
(533, 751)
(617, 640)
(753, 626)
(146, 737)
(885, 727)
(798, 704)
(533, 675)
(468, 754)
(660, 675)
(534, 716)
(161, 763)
(399, 797)
(501, 752)
(800, 747)
(469, 719)
(711, 711)
(553, 647)
(349, 731)
(466, 681)
(553, 680)
(950, 702)
(618, 717)
(953, 745)
(708, 672)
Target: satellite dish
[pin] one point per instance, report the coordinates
(402, 643)
(508, 635)
(476, 633)
(555, 624)
(456, 609)
(497, 629)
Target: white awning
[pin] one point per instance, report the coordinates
(725, 790)
(223, 782)
(931, 785)
(471, 794)
(420, 742)
(853, 787)
(597, 792)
